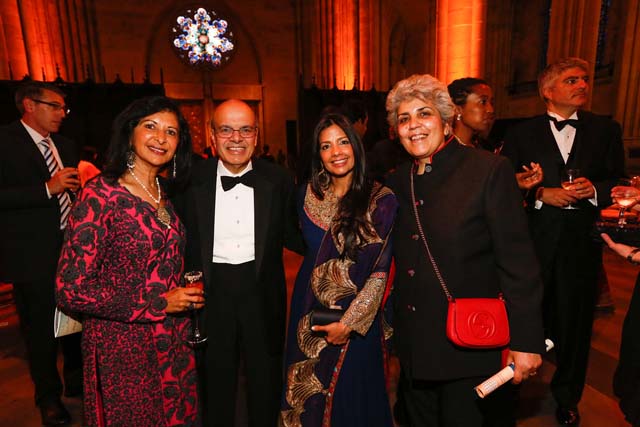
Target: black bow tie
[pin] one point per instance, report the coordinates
(560, 124)
(248, 179)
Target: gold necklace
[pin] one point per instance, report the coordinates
(462, 142)
(161, 212)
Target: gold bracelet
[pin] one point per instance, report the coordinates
(631, 254)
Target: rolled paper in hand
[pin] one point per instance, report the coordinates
(503, 376)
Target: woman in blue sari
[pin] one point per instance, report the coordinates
(335, 374)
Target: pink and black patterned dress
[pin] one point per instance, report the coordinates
(116, 264)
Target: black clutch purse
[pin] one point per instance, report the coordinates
(324, 316)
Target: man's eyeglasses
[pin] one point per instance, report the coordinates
(54, 105)
(244, 131)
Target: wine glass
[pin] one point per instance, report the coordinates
(193, 279)
(625, 195)
(567, 181)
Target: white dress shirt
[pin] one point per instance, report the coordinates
(564, 139)
(234, 227)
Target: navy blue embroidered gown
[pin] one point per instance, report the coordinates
(339, 386)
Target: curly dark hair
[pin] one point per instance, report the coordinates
(351, 219)
(122, 130)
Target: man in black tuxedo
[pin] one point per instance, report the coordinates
(561, 219)
(239, 214)
(37, 176)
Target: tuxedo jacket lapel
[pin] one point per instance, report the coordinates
(32, 151)
(262, 195)
(580, 150)
(550, 151)
(63, 152)
(205, 200)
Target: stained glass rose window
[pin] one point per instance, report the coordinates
(203, 40)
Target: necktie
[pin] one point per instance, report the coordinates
(248, 179)
(63, 198)
(560, 124)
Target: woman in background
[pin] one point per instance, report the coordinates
(474, 112)
(474, 118)
(626, 380)
(121, 269)
(339, 379)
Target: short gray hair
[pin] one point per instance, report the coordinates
(424, 87)
(552, 71)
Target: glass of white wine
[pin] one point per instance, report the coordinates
(567, 181)
(625, 195)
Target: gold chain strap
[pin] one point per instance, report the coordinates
(424, 239)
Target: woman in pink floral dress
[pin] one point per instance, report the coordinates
(120, 269)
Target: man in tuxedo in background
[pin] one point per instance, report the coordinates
(239, 213)
(561, 220)
(37, 178)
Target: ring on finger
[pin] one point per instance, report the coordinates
(191, 306)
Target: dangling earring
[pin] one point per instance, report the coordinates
(459, 117)
(131, 159)
(174, 166)
(323, 178)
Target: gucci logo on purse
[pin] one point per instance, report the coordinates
(478, 322)
(482, 324)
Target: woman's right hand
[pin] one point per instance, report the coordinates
(183, 299)
(619, 248)
(337, 332)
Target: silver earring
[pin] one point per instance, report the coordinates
(459, 117)
(131, 159)
(174, 167)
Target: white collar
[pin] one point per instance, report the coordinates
(223, 171)
(34, 134)
(574, 116)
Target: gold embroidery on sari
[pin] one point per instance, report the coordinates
(291, 417)
(387, 329)
(331, 282)
(303, 383)
(366, 304)
(320, 212)
(310, 344)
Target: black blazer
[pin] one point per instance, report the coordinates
(597, 151)
(276, 226)
(472, 216)
(30, 235)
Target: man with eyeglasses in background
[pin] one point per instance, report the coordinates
(37, 178)
(239, 213)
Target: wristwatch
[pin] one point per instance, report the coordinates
(631, 254)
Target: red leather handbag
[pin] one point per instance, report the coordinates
(479, 323)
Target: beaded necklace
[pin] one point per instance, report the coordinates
(161, 212)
